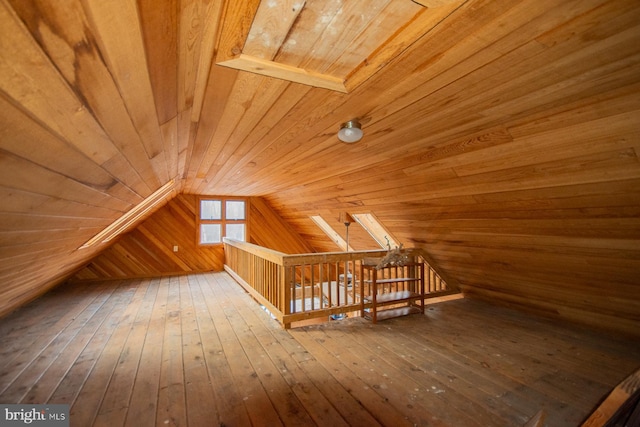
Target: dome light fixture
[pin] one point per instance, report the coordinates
(350, 132)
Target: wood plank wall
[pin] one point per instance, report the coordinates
(268, 229)
(502, 136)
(147, 251)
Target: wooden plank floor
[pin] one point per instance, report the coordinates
(196, 350)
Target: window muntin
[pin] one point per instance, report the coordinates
(220, 217)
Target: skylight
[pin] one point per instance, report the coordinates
(133, 215)
(379, 233)
(331, 233)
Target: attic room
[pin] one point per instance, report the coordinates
(186, 238)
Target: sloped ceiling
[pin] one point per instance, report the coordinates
(500, 135)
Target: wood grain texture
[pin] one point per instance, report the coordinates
(147, 251)
(501, 137)
(197, 350)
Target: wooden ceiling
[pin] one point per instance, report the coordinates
(502, 136)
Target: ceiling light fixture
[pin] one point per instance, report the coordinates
(350, 132)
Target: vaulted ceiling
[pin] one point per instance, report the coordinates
(500, 135)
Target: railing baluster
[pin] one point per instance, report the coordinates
(321, 280)
(313, 287)
(279, 281)
(337, 282)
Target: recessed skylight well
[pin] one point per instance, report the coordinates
(368, 221)
(379, 233)
(133, 215)
(330, 232)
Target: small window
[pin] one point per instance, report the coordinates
(210, 233)
(211, 209)
(221, 217)
(235, 231)
(234, 209)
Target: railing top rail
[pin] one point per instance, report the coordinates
(323, 257)
(266, 253)
(286, 260)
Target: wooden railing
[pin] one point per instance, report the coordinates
(305, 286)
